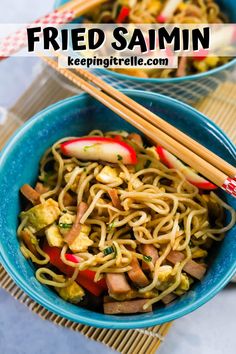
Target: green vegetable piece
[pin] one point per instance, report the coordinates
(147, 163)
(111, 225)
(65, 226)
(119, 157)
(108, 250)
(147, 259)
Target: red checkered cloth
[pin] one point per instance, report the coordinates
(18, 40)
(230, 186)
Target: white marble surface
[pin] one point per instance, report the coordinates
(209, 330)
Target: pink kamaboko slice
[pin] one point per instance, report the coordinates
(172, 162)
(99, 148)
(168, 10)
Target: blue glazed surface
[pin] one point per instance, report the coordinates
(76, 116)
(190, 88)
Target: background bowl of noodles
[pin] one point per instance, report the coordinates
(19, 164)
(189, 88)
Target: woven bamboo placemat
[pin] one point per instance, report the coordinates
(220, 107)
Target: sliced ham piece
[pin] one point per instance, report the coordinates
(150, 251)
(168, 298)
(136, 138)
(40, 188)
(193, 268)
(107, 299)
(115, 198)
(175, 256)
(69, 200)
(136, 274)
(117, 283)
(30, 194)
(133, 306)
(75, 230)
(26, 237)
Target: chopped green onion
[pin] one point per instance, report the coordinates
(147, 258)
(88, 147)
(138, 167)
(147, 163)
(47, 176)
(119, 157)
(65, 226)
(108, 250)
(111, 225)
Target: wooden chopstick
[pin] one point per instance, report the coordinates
(160, 123)
(153, 133)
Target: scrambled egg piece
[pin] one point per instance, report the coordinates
(164, 273)
(199, 253)
(54, 236)
(74, 185)
(136, 183)
(82, 241)
(183, 286)
(42, 215)
(165, 277)
(72, 293)
(108, 175)
(206, 64)
(151, 151)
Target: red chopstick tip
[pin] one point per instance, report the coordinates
(230, 186)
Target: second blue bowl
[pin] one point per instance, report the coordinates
(189, 89)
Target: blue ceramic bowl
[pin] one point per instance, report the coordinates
(190, 88)
(78, 115)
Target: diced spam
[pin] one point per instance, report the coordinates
(117, 283)
(72, 293)
(30, 193)
(193, 268)
(150, 251)
(54, 236)
(136, 274)
(168, 298)
(42, 215)
(133, 306)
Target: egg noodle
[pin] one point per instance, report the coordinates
(147, 11)
(158, 207)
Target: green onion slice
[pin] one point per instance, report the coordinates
(147, 259)
(108, 250)
(65, 226)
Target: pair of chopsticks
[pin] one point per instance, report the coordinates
(155, 128)
(64, 14)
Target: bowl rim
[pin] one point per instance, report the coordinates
(194, 77)
(109, 323)
(170, 80)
